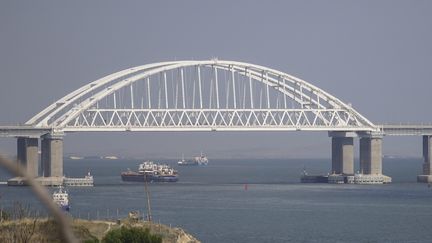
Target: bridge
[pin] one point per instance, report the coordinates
(210, 95)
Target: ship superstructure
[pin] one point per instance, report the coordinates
(84, 181)
(151, 172)
(61, 198)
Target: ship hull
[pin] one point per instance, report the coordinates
(78, 181)
(137, 177)
(65, 208)
(187, 164)
(191, 163)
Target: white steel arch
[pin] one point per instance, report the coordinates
(200, 96)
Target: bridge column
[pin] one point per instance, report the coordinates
(52, 155)
(342, 152)
(371, 155)
(27, 154)
(427, 159)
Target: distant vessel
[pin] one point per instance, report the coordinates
(85, 181)
(151, 172)
(306, 178)
(337, 178)
(198, 160)
(360, 178)
(357, 178)
(61, 198)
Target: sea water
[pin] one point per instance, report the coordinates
(258, 200)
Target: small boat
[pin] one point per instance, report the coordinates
(198, 160)
(61, 198)
(182, 161)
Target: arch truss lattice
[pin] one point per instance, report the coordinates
(200, 95)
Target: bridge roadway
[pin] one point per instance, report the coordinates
(27, 131)
(406, 129)
(385, 129)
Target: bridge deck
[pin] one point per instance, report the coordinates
(388, 130)
(406, 129)
(23, 131)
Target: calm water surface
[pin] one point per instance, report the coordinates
(213, 204)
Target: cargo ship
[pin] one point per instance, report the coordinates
(151, 172)
(84, 181)
(198, 160)
(306, 178)
(357, 178)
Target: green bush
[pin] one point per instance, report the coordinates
(131, 235)
(92, 241)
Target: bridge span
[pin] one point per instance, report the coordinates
(209, 95)
(406, 129)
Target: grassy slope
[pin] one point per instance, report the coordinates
(46, 230)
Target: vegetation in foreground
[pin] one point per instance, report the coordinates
(46, 230)
(131, 235)
(19, 225)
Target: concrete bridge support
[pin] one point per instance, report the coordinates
(27, 154)
(427, 159)
(371, 155)
(52, 155)
(342, 153)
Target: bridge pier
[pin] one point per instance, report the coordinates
(27, 154)
(342, 152)
(370, 159)
(426, 177)
(51, 160)
(52, 155)
(371, 155)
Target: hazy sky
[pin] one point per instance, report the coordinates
(376, 55)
